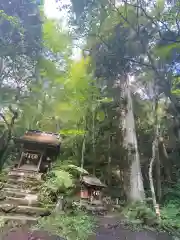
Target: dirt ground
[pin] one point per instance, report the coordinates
(110, 228)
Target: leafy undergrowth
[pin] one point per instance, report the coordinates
(170, 217)
(57, 183)
(72, 226)
(170, 211)
(140, 216)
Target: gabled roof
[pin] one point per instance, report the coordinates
(37, 136)
(92, 181)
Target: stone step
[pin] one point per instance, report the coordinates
(23, 181)
(15, 193)
(28, 210)
(18, 190)
(25, 174)
(19, 218)
(21, 201)
(18, 186)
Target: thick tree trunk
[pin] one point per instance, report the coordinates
(136, 189)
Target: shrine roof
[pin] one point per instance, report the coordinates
(35, 136)
(92, 181)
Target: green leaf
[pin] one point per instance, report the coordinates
(76, 168)
(160, 4)
(106, 100)
(165, 51)
(100, 116)
(71, 132)
(176, 92)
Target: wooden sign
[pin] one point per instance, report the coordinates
(30, 156)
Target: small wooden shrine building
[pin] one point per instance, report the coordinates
(91, 188)
(37, 150)
(20, 191)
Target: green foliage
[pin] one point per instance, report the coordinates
(55, 38)
(57, 182)
(73, 168)
(170, 210)
(76, 226)
(13, 20)
(2, 224)
(140, 213)
(166, 51)
(9, 50)
(172, 194)
(62, 181)
(170, 216)
(4, 175)
(71, 132)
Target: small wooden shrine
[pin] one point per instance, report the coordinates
(91, 188)
(37, 150)
(19, 192)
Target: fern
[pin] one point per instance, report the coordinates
(73, 168)
(57, 182)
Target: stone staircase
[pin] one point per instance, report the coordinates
(19, 197)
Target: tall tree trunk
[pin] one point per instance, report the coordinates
(155, 146)
(82, 160)
(158, 175)
(151, 173)
(82, 151)
(136, 188)
(109, 161)
(93, 142)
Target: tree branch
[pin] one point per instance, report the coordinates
(4, 119)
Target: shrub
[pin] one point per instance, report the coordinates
(4, 175)
(170, 212)
(141, 215)
(57, 182)
(76, 226)
(139, 212)
(170, 217)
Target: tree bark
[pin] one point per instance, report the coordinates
(166, 161)
(151, 173)
(158, 176)
(82, 151)
(109, 161)
(155, 146)
(93, 141)
(136, 188)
